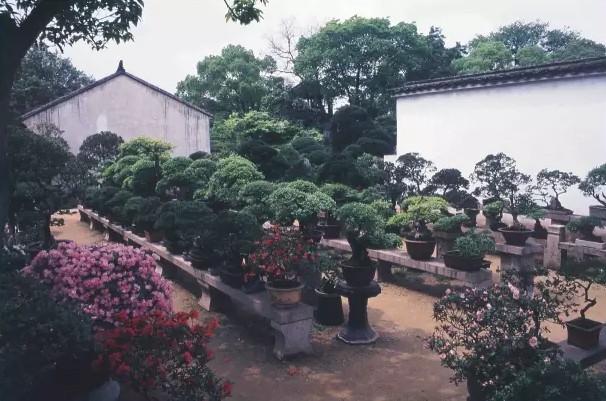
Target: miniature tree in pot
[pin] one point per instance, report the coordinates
(361, 222)
(468, 252)
(550, 185)
(419, 240)
(594, 185)
(499, 178)
(446, 230)
(585, 226)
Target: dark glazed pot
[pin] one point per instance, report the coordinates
(420, 250)
(515, 237)
(583, 333)
(453, 260)
(330, 309)
(357, 276)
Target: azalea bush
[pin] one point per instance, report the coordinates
(103, 279)
(486, 336)
(165, 353)
(279, 254)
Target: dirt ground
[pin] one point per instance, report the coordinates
(395, 368)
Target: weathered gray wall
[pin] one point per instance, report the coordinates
(130, 109)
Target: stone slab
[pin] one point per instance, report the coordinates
(581, 250)
(434, 265)
(590, 244)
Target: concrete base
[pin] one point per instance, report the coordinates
(590, 244)
(292, 338)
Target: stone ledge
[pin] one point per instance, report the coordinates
(572, 247)
(434, 266)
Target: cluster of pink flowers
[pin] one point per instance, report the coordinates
(104, 279)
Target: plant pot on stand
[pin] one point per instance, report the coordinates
(357, 276)
(515, 237)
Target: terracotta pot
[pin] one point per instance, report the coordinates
(357, 276)
(420, 250)
(284, 294)
(453, 260)
(584, 333)
(515, 237)
(154, 235)
(330, 309)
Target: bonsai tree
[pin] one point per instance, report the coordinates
(225, 184)
(232, 236)
(551, 184)
(129, 211)
(418, 230)
(494, 213)
(585, 226)
(474, 245)
(360, 222)
(499, 178)
(253, 199)
(583, 275)
(147, 213)
(450, 224)
(594, 184)
(340, 193)
(116, 207)
(300, 201)
(427, 208)
(448, 181)
(180, 221)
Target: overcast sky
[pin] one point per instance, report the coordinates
(174, 35)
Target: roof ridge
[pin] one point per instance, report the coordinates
(553, 70)
(103, 80)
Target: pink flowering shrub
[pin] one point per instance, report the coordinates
(104, 279)
(489, 336)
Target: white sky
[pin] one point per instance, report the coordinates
(174, 35)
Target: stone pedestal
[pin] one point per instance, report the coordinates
(519, 259)
(552, 258)
(444, 242)
(383, 272)
(357, 330)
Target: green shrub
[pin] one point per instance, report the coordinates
(288, 204)
(303, 186)
(131, 207)
(175, 165)
(152, 149)
(361, 223)
(340, 193)
(428, 208)
(116, 206)
(38, 336)
(201, 170)
(181, 220)
(474, 245)
(232, 235)
(147, 213)
(232, 174)
(451, 224)
(253, 198)
(383, 208)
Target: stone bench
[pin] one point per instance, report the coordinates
(477, 279)
(291, 326)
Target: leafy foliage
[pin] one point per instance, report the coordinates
(361, 222)
(43, 77)
(555, 181)
(181, 221)
(594, 184)
(450, 224)
(415, 171)
(232, 174)
(474, 245)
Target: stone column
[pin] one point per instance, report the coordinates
(518, 258)
(553, 256)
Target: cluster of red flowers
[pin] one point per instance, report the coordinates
(166, 352)
(279, 253)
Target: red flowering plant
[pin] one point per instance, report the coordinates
(487, 337)
(162, 353)
(281, 254)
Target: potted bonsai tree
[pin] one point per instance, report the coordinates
(583, 332)
(419, 240)
(180, 221)
(129, 212)
(116, 208)
(550, 184)
(329, 310)
(594, 185)
(427, 208)
(584, 226)
(360, 222)
(446, 230)
(468, 252)
(232, 238)
(301, 201)
(499, 178)
(278, 257)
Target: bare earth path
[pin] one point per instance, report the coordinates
(395, 368)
